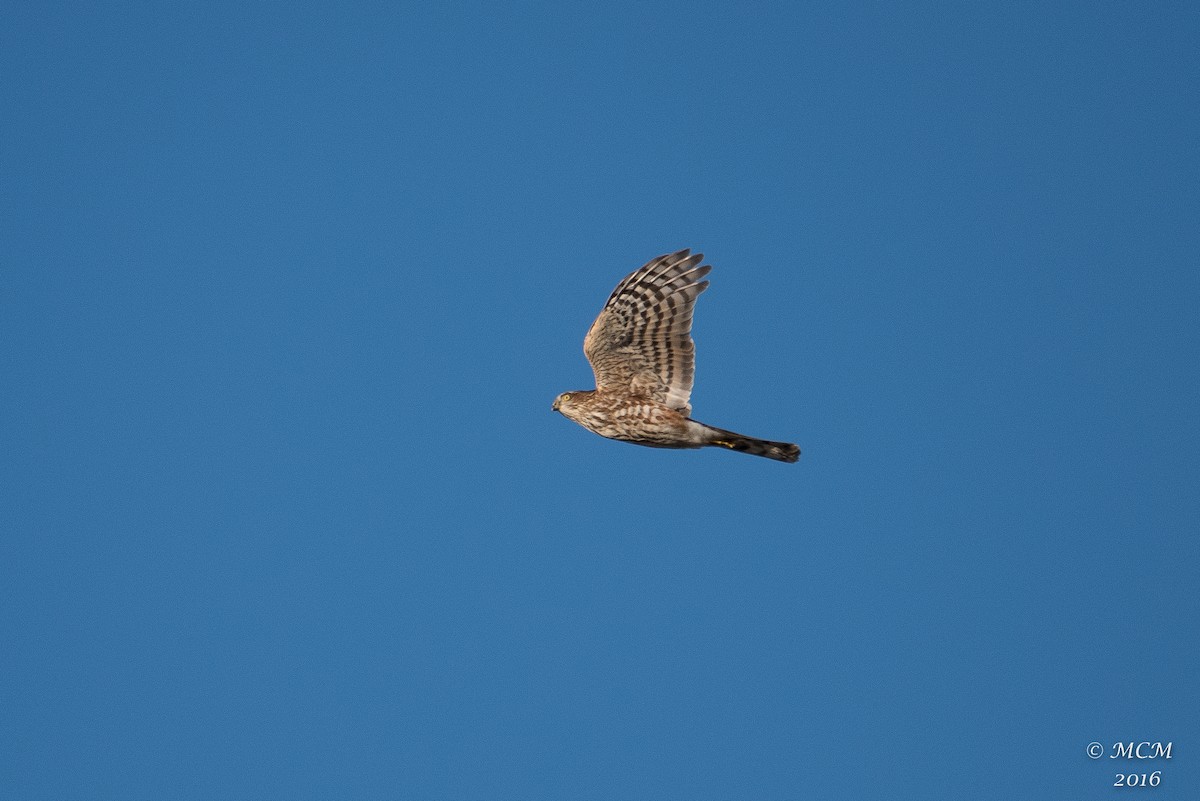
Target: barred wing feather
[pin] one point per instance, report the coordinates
(642, 340)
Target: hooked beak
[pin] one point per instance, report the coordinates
(554, 408)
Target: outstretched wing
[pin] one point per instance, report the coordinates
(642, 341)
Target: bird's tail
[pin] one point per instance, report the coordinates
(780, 451)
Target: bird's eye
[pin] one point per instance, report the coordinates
(567, 396)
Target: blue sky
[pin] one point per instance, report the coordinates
(288, 290)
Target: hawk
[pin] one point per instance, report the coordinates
(641, 350)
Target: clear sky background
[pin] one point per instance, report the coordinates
(287, 292)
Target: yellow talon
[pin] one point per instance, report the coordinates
(723, 443)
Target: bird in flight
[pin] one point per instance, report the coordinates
(641, 350)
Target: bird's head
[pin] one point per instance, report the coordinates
(569, 403)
